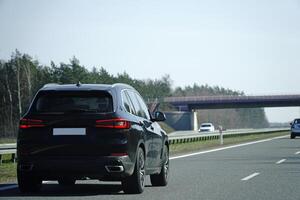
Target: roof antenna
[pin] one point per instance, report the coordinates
(78, 84)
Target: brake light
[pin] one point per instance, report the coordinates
(31, 123)
(117, 123)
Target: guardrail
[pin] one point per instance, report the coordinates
(214, 136)
(8, 149)
(192, 136)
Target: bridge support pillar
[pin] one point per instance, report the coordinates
(194, 120)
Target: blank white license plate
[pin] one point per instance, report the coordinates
(69, 131)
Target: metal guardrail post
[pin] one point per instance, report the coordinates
(221, 135)
(13, 157)
(195, 120)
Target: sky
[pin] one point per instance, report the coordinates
(250, 45)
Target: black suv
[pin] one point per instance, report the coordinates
(78, 131)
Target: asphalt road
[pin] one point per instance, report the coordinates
(265, 170)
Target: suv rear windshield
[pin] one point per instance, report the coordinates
(72, 102)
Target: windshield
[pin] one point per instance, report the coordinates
(65, 102)
(206, 125)
(297, 121)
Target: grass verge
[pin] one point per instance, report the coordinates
(8, 172)
(7, 140)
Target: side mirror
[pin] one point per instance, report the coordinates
(291, 123)
(159, 116)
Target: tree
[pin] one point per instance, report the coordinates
(21, 77)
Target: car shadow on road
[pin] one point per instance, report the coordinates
(76, 190)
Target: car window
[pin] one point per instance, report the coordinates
(126, 103)
(139, 110)
(61, 102)
(136, 105)
(206, 125)
(143, 106)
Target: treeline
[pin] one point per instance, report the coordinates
(204, 90)
(21, 76)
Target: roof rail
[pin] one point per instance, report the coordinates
(50, 84)
(121, 84)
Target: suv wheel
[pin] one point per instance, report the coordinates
(161, 179)
(292, 136)
(66, 181)
(27, 182)
(135, 183)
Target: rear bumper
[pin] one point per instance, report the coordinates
(295, 132)
(103, 168)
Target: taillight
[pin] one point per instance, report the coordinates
(117, 123)
(30, 123)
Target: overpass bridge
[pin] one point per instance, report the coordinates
(190, 103)
(187, 117)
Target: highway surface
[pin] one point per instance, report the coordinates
(269, 169)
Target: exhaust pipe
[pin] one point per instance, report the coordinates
(112, 168)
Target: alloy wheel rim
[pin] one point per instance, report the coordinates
(142, 169)
(166, 166)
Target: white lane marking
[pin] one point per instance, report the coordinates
(281, 161)
(9, 187)
(298, 152)
(250, 176)
(229, 147)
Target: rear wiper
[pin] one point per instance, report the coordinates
(51, 113)
(79, 110)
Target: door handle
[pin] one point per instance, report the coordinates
(151, 127)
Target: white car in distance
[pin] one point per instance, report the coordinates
(207, 127)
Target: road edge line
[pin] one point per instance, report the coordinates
(228, 147)
(8, 187)
(14, 186)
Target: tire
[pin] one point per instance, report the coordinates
(66, 181)
(292, 136)
(28, 183)
(161, 179)
(135, 183)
